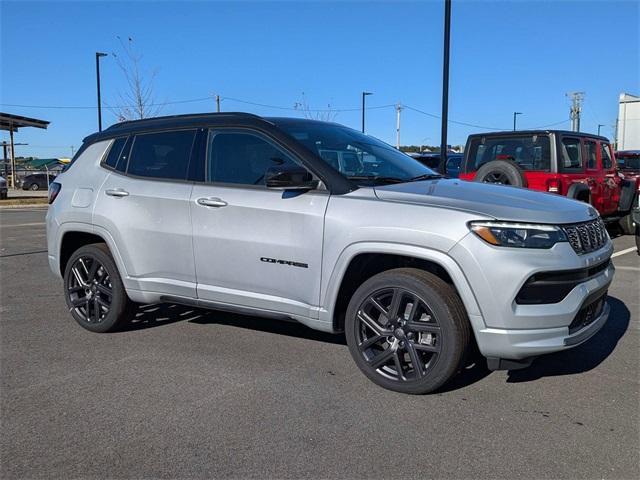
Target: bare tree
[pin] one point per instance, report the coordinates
(138, 100)
(326, 115)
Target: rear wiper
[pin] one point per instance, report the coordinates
(425, 176)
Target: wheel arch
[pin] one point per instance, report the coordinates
(361, 261)
(579, 191)
(74, 236)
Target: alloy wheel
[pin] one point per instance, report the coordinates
(89, 289)
(398, 335)
(497, 177)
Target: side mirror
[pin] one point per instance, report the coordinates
(290, 177)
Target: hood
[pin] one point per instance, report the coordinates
(497, 201)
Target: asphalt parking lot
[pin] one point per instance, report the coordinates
(193, 394)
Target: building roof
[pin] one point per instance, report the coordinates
(12, 122)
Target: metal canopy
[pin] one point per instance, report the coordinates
(12, 123)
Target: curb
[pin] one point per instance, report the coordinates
(25, 205)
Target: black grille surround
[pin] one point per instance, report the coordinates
(553, 287)
(590, 311)
(586, 237)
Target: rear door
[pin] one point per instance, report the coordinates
(144, 205)
(255, 247)
(571, 165)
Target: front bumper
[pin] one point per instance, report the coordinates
(509, 330)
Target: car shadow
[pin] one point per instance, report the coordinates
(580, 359)
(159, 314)
(584, 357)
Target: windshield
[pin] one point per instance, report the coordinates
(363, 159)
(629, 162)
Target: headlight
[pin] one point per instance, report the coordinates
(521, 235)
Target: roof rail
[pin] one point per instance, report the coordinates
(126, 123)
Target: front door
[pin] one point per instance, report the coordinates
(610, 180)
(255, 247)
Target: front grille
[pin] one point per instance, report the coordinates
(587, 236)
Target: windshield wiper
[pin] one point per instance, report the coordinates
(425, 176)
(376, 179)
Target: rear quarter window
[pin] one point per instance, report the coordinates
(530, 152)
(161, 155)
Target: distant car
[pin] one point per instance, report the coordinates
(432, 160)
(628, 162)
(37, 181)
(3, 188)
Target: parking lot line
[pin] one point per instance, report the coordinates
(622, 252)
(25, 224)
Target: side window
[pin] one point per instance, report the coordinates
(162, 154)
(241, 157)
(571, 160)
(115, 151)
(605, 154)
(590, 150)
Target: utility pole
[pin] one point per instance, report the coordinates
(218, 103)
(576, 108)
(364, 94)
(600, 125)
(445, 86)
(398, 110)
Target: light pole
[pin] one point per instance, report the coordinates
(445, 86)
(364, 94)
(600, 125)
(98, 55)
(515, 116)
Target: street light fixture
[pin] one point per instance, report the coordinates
(98, 55)
(515, 115)
(364, 94)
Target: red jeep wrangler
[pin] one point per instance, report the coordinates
(577, 165)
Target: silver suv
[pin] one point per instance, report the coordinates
(298, 219)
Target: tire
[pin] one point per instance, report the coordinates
(638, 238)
(501, 172)
(4, 195)
(627, 224)
(100, 303)
(34, 187)
(433, 329)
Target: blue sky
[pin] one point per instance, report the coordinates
(506, 56)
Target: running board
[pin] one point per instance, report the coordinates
(226, 307)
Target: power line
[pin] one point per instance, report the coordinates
(452, 121)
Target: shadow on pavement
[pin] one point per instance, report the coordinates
(156, 315)
(584, 357)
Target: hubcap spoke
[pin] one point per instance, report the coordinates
(370, 322)
(370, 341)
(423, 327)
(381, 358)
(415, 361)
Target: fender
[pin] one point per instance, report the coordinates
(68, 227)
(329, 296)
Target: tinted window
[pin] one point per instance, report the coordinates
(571, 155)
(590, 150)
(161, 155)
(115, 151)
(530, 152)
(242, 157)
(359, 157)
(605, 153)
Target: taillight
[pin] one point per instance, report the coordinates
(54, 190)
(553, 185)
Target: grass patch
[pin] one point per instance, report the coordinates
(13, 202)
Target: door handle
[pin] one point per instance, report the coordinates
(117, 192)
(211, 202)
